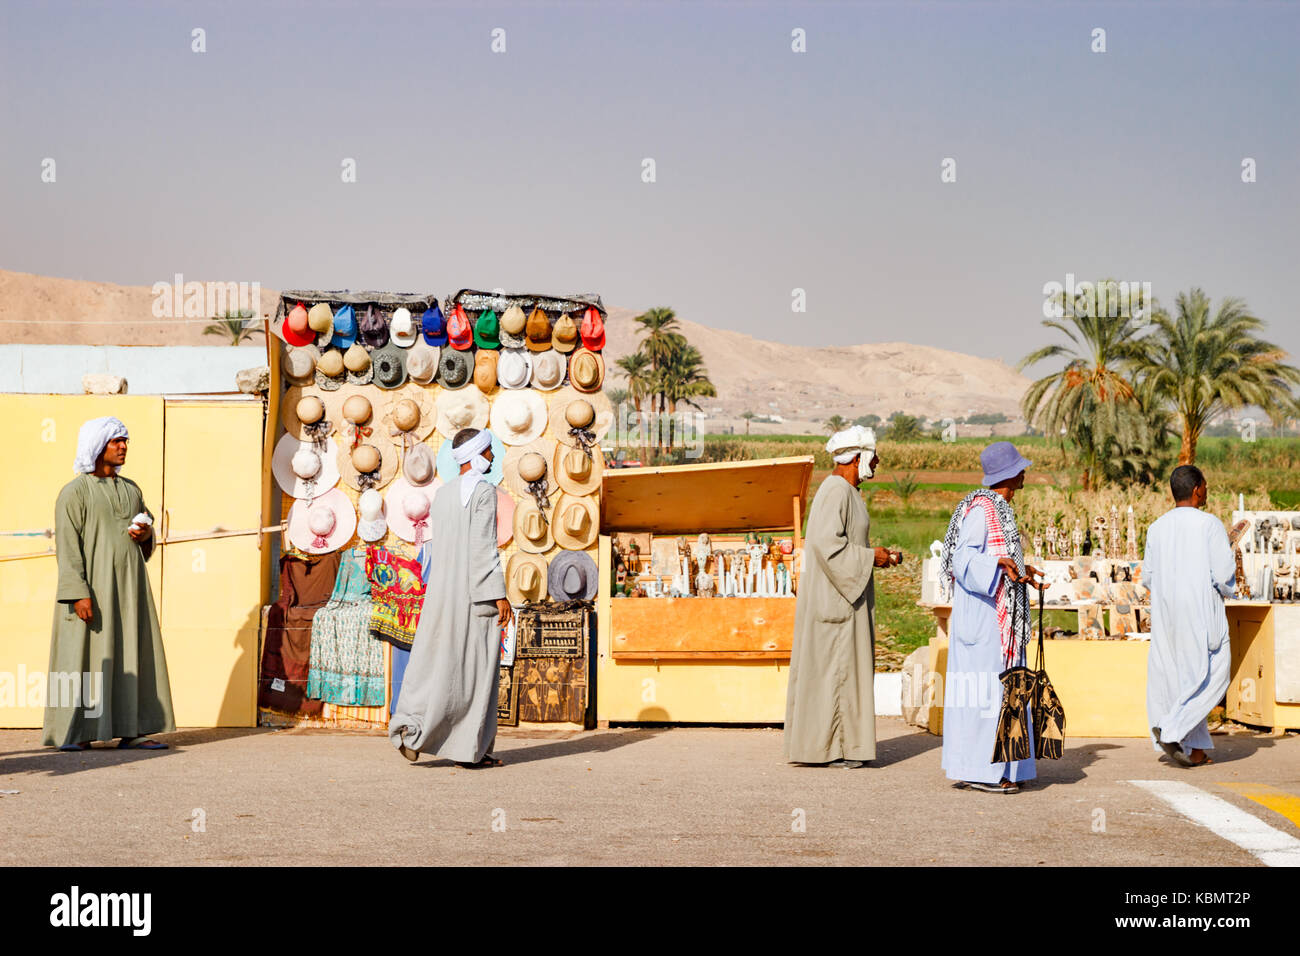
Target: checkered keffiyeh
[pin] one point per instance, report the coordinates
(1012, 600)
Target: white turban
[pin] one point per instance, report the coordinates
(472, 452)
(846, 445)
(93, 439)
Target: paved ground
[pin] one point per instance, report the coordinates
(635, 797)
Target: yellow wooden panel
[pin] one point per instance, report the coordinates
(702, 627)
(721, 496)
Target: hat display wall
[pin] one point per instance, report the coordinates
(298, 363)
(548, 370)
(575, 522)
(511, 328)
(371, 464)
(372, 522)
(460, 334)
(433, 327)
(329, 370)
(564, 337)
(296, 330)
(572, 576)
(390, 366)
(321, 525)
(487, 330)
(422, 363)
(592, 330)
(578, 471)
(306, 415)
(485, 370)
(410, 411)
(345, 328)
(402, 330)
(356, 364)
(455, 369)
(320, 319)
(514, 368)
(408, 508)
(540, 454)
(525, 578)
(518, 417)
(448, 470)
(304, 469)
(532, 528)
(537, 331)
(586, 370)
(505, 517)
(467, 408)
(569, 406)
(419, 465)
(373, 328)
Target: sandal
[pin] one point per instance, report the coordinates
(1205, 759)
(408, 753)
(487, 761)
(74, 748)
(1172, 751)
(141, 743)
(1005, 786)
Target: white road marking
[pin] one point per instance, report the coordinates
(1221, 818)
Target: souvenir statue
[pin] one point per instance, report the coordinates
(1038, 547)
(1099, 542)
(1131, 545)
(1114, 531)
(1076, 538)
(702, 550)
(1051, 542)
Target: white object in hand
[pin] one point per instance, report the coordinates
(140, 521)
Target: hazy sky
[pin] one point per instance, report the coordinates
(775, 169)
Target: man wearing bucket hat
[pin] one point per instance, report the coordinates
(448, 699)
(983, 568)
(830, 702)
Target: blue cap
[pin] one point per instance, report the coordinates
(345, 328)
(1001, 461)
(433, 327)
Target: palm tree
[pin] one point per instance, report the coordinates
(684, 379)
(1204, 365)
(836, 423)
(748, 417)
(232, 326)
(640, 385)
(905, 428)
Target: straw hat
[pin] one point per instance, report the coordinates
(548, 370)
(511, 328)
(525, 578)
(295, 330)
(537, 331)
(572, 576)
(301, 407)
(532, 528)
(320, 319)
(467, 408)
(390, 366)
(564, 337)
(419, 466)
(586, 370)
(356, 363)
(455, 369)
(514, 368)
(422, 363)
(403, 330)
(518, 416)
(302, 470)
(564, 417)
(408, 508)
(372, 524)
(575, 522)
(298, 363)
(449, 470)
(329, 370)
(321, 525)
(593, 330)
(379, 455)
(485, 370)
(542, 451)
(576, 473)
(505, 517)
(411, 411)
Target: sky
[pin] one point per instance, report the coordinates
(774, 170)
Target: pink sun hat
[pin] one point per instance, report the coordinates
(321, 525)
(409, 507)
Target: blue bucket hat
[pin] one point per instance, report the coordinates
(345, 328)
(1001, 461)
(433, 327)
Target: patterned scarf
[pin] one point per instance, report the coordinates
(1012, 600)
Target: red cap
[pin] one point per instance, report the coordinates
(460, 333)
(593, 330)
(296, 331)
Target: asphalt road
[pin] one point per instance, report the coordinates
(633, 797)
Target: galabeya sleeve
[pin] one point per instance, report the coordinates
(974, 567)
(69, 522)
(487, 582)
(847, 566)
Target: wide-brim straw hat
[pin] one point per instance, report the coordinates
(293, 425)
(388, 461)
(300, 534)
(448, 470)
(389, 364)
(505, 517)
(282, 467)
(548, 370)
(574, 471)
(514, 368)
(422, 363)
(455, 369)
(398, 522)
(425, 408)
(600, 405)
(586, 370)
(519, 417)
(515, 454)
(572, 576)
(337, 401)
(575, 521)
(298, 364)
(532, 527)
(462, 408)
(526, 579)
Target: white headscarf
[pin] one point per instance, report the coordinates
(472, 452)
(92, 440)
(846, 445)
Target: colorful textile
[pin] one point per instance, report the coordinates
(347, 667)
(397, 591)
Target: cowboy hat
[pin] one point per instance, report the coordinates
(564, 337)
(320, 319)
(372, 525)
(433, 327)
(540, 453)
(538, 331)
(586, 370)
(403, 331)
(548, 370)
(329, 370)
(374, 328)
(296, 331)
(460, 334)
(514, 368)
(454, 369)
(511, 328)
(411, 411)
(303, 407)
(525, 578)
(449, 470)
(518, 416)
(505, 517)
(572, 576)
(298, 363)
(487, 330)
(408, 508)
(593, 409)
(302, 469)
(422, 363)
(575, 472)
(485, 370)
(419, 466)
(345, 328)
(532, 527)
(390, 366)
(461, 409)
(356, 361)
(378, 457)
(321, 525)
(575, 521)
(593, 330)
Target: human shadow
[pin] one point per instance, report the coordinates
(898, 749)
(597, 742)
(1073, 765)
(56, 763)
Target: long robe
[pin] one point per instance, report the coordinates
(448, 700)
(830, 708)
(127, 693)
(972, 693)
(1190, 568)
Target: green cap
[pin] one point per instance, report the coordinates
(487, 331)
